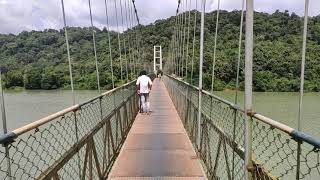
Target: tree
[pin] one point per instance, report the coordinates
(32, 78)
(13, 79)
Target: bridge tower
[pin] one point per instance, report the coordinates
(157, 58)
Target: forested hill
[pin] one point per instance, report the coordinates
(38, 59)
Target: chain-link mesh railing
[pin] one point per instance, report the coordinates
(80, 142)
(279, 152)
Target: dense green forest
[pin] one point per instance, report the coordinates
(38, 59)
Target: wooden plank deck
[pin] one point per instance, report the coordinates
(157, 146)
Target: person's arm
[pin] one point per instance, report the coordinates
(150, 84)
(138, 86)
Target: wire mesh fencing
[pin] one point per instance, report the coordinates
(278, 151)
(80, 142)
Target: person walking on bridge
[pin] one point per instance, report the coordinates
(144, 85)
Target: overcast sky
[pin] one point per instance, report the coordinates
(19, 15)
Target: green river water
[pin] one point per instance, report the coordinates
(24, 107)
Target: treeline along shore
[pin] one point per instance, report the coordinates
(38, 59)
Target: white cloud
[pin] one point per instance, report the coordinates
(19, 15)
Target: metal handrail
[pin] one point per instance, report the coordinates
(296, 134)
(10, 136)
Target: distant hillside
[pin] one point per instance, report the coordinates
(38, 60)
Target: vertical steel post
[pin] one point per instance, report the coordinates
(5, 129)
(248, 89)
(94, 47)
(200, 71)
(303, 61)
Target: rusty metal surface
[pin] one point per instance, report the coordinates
(157, 146)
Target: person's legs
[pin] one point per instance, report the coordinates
(140, 104)
(143, 103)
(147, 102)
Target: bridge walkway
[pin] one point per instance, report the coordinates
(157, 146)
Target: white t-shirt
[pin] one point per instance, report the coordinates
(144, 81)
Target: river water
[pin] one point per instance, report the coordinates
(284, 107)
(24, 107)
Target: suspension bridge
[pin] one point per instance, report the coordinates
(190, 134)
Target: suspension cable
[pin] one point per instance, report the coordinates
(181, 40)
(175, 44)
(128, 37)
(68, 52)
(119, 42)
(237, 83)
(70, 74)
(109, 42)
(132, 37)
(215, 46)
(137, 29)
(239, 53)
(194, 39)
(188, 37)
(94, 47)
(184, 36)
(136, 44)
(177, 39)
(124, 41)
(174, 49)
